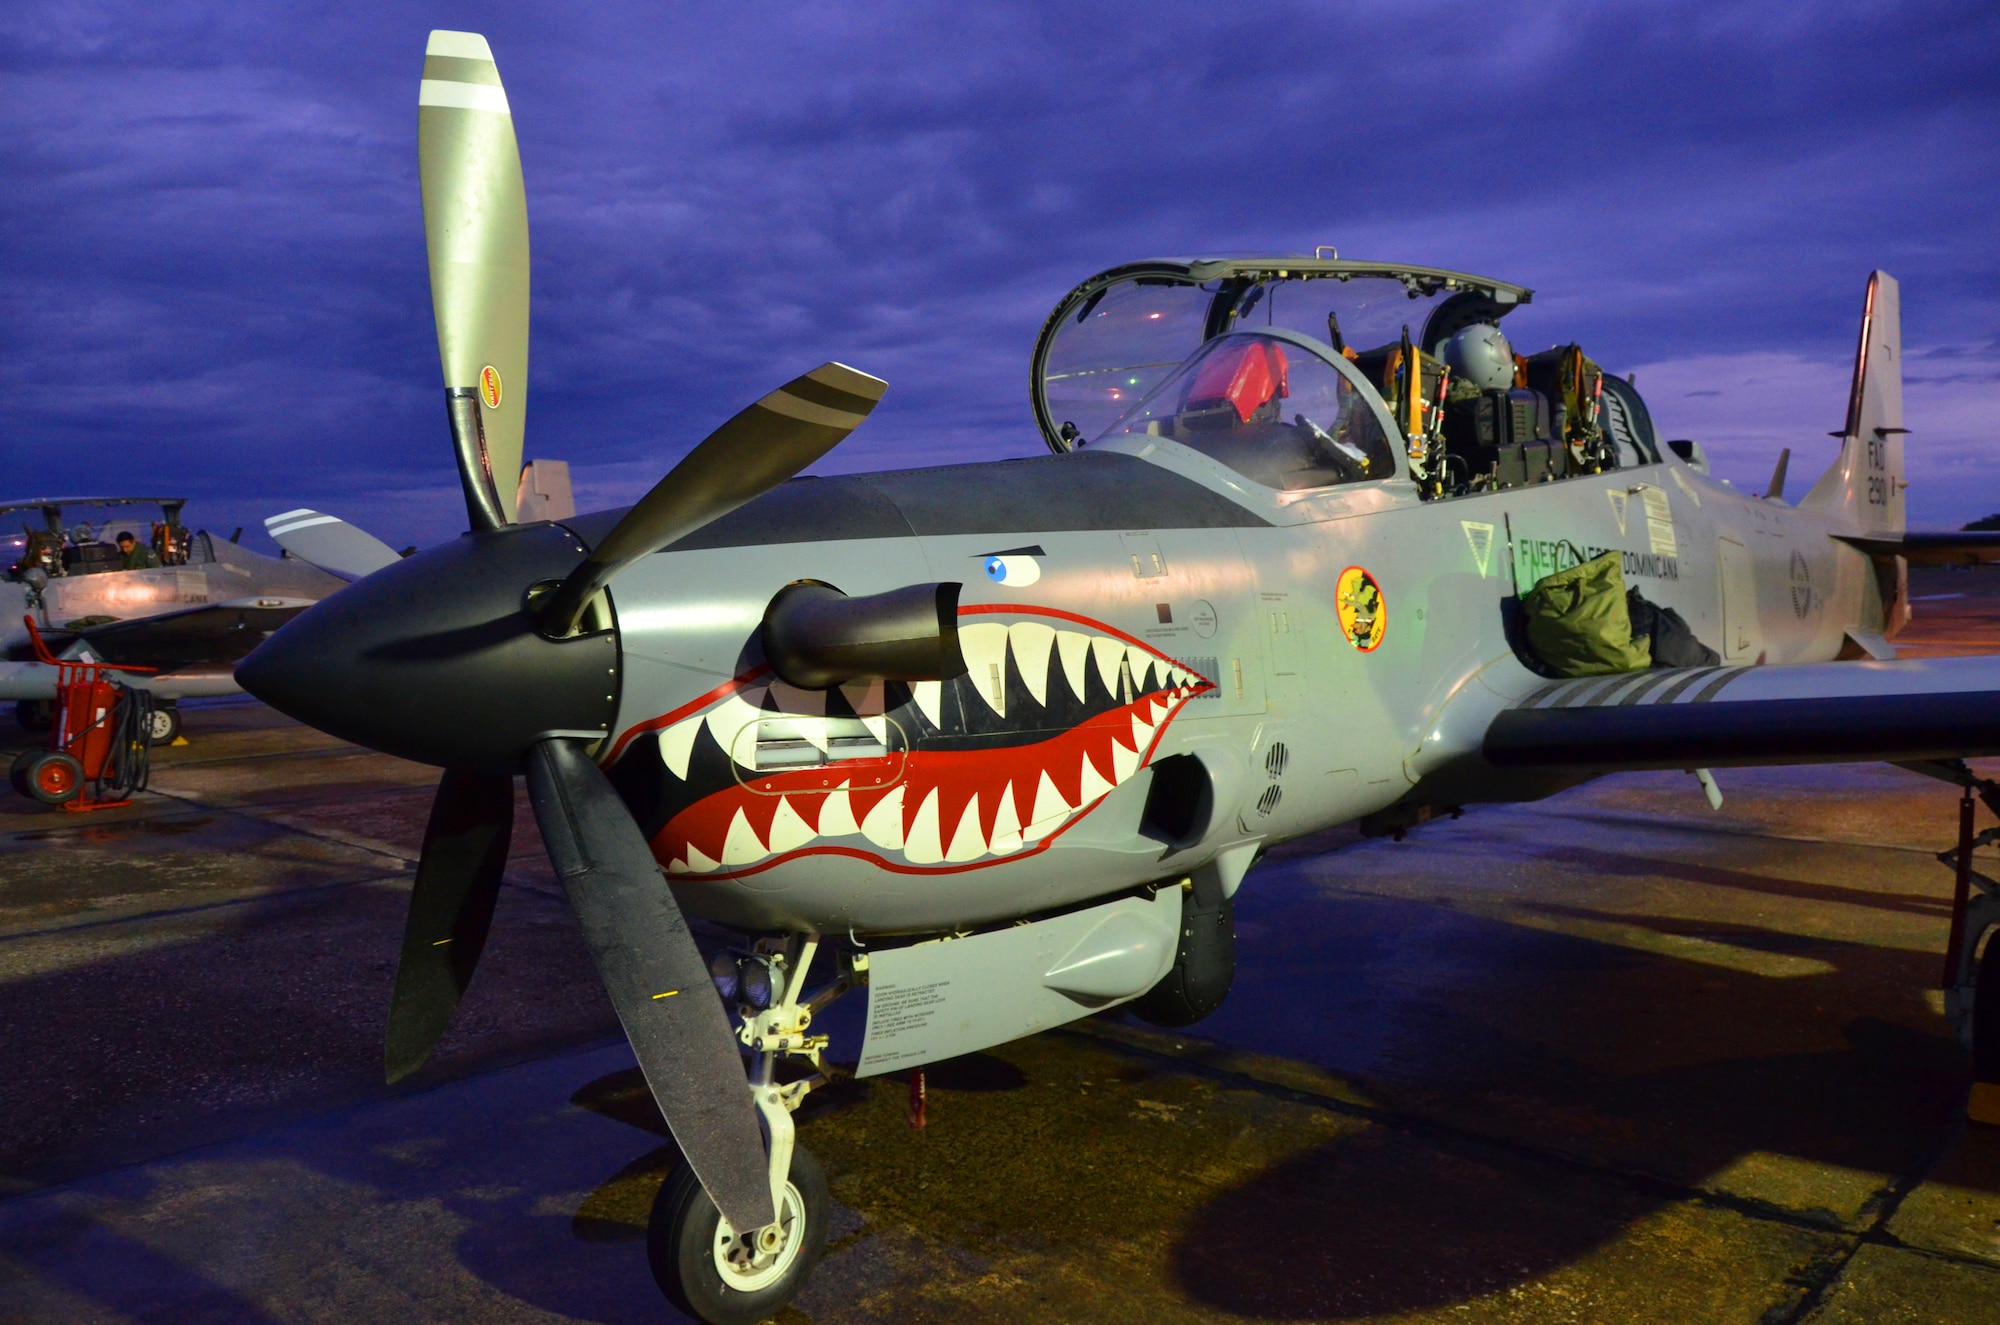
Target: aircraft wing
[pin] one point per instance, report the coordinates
(1716, 717)
(330, 543)
(211, 633)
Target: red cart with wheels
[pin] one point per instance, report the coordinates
(98, 750)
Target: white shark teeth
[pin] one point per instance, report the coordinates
(1124, 763)
(789, 831)
(741, 846)
(884, 824)
(1049, 812)
(697, 863)
(1142, 733)
(1074, 651)
(677, 745)
(836, 815)
(1031, 642)
(727, 721)
(966, 841)
(1006, 824)
(929, 697)
(1110, 656)
(1093, 784)
(984, 645)
(921, 845)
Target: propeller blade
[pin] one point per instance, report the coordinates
(476, 230)
(754, 452)
(656, 977)
(451, 908)
(330, 543)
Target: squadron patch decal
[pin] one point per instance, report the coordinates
(489, 386)
(1364, 617)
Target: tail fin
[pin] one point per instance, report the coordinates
(544, 493)
(1865, 485)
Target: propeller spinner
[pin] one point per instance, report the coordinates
(497, 654)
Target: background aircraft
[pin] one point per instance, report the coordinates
(1002, 741)
(205, 605)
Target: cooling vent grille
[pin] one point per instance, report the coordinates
(1276, 758)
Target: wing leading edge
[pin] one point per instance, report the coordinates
(1718, 717)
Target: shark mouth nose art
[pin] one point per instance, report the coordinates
(1054, 712)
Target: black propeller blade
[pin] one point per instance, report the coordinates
(762, 446)
(656, 977)
(451, 908)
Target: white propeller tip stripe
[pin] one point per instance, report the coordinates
(851, 380)
(276, 530)
(283, 516)
(463, 96)
(458, 45)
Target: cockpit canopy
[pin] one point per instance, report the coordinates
(1119, 334)
(1269, 408)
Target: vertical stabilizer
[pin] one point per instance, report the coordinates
(1865, 485)
(544, 493)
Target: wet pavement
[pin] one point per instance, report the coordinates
(1609, 1057)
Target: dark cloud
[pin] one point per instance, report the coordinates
(214, 275)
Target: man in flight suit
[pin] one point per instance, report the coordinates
(136, 555)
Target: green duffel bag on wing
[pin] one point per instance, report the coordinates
(1578, 622)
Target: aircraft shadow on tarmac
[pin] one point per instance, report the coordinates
(1531, 1095)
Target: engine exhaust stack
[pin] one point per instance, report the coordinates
(816, 637)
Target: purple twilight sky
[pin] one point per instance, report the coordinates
(212, 274)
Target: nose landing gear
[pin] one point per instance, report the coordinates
(707, 1268)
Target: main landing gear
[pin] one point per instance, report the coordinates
(1972, 979)
(709, 1269)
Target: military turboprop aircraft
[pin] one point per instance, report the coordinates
(1001, 741)
(204, 604)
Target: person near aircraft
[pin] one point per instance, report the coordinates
(133, 554)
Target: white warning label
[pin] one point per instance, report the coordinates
(1660, 523)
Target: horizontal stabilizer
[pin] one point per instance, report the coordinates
(1714, 717)
(1947, 547)
(330, 543)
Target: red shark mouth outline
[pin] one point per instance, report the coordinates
(922, 809)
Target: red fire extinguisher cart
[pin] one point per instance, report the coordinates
(99, 747)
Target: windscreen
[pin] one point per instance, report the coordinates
(1271, 410)
(1116, 348)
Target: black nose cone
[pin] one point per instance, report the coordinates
(436, 658)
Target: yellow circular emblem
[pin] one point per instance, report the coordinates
(1364, 617)
(489, 386)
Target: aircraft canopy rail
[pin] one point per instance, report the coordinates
(52, 507)
(1113, 338)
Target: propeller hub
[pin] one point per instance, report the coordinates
(437, 658)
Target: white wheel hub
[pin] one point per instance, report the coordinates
(760, 1260)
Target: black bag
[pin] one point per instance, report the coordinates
(1674, 642)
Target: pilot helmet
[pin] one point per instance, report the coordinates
(1480, 355)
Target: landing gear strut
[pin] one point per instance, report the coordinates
(1971, 980)
(708, 1268)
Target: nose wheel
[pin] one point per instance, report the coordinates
(716, 1274)
(705, 1266)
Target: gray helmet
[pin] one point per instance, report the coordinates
(1480, 355)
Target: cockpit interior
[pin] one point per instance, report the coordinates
(1304, 373)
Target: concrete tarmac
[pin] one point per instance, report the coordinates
(1608, 1057)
